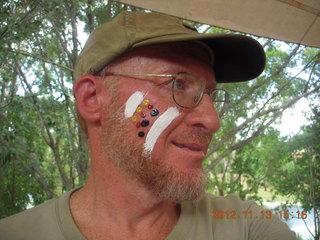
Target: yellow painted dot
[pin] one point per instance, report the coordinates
(145, 102)
(139, 109)
(134, 118)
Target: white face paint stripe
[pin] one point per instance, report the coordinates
(158, 127)
(132, 103)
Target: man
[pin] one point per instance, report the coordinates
(145, 85)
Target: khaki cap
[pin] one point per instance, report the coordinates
(236, 57)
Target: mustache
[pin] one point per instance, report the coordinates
(195, 136)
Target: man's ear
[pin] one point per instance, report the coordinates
(90, 98)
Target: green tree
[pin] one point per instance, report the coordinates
(246, 171)
(42, 152)
(298, 177)
(255, 107)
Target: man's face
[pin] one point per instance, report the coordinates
(167, 157)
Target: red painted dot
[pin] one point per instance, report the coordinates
(138, 124)
(150, 106)
(143, 115)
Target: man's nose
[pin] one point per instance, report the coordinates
(204, 115)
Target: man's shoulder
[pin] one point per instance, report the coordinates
(224, 203)
(221, 207)
(35, 223)
(239, 216)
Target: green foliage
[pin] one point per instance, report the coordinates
(247, 170)
(20, 153)
(41, 153)
(298, 177)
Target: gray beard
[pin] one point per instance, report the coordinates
(165, 182)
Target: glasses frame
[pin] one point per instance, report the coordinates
(174, 77)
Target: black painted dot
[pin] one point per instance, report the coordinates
(141, 134)
(154, 112)
(144, 122)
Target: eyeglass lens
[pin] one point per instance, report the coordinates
(188, 92)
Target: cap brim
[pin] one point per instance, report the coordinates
(237, 58)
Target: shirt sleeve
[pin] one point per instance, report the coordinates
(265, 226)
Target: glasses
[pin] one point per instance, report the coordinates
(187, 89)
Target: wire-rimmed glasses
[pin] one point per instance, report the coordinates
(187, 89)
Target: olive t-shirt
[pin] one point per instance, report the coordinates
(209, 217)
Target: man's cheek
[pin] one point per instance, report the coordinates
(148, 120)
(141, 112)
(132, 103)
(158, 127)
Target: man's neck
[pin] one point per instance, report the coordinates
(113, 205)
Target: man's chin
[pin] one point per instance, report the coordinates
(177, 186)
(167, 183)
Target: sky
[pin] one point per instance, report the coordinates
(293, 118)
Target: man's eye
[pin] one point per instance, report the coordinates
(179, 84)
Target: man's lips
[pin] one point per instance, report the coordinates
(191, 146)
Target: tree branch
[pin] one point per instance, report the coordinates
(267, 79)
(277, 112)
(48, 136)
(39, 58)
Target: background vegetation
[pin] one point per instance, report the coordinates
(41, 150)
